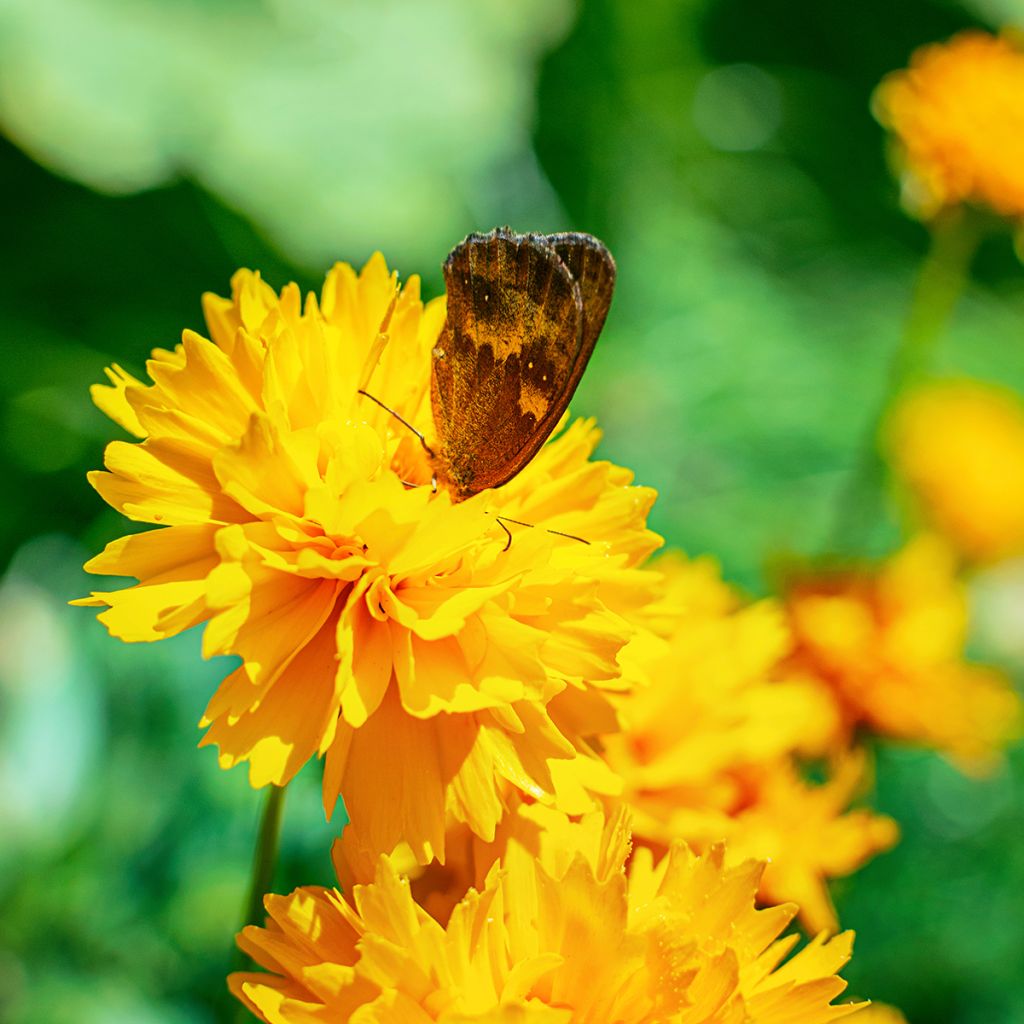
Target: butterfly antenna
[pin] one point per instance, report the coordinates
(402, 420)
(501, 520)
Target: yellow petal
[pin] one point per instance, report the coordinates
(283, 731)
(112, 400)
(165, 482)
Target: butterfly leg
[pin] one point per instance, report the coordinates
(571, 536)
(508, 534)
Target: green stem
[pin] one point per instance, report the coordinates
(265, 858)
(940, 283)
(264, 862)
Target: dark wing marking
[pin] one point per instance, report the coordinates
(507, 359)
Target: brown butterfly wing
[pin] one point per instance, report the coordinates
(507, 360)
(593, 269)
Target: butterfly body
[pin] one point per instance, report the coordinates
(524, 313)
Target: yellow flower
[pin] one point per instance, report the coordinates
(379, 624)
(708, 747)
(957, 115)
(807, 832)
(959, 444)
(715, 699)
(558, 931)
(888, 641)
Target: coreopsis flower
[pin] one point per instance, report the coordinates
(959, 446)
(887, 642)
(957, 118)
(558, 931)
(715, 697)
(379, 624)
(709, 746)
(807, 831)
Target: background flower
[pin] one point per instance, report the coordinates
(558, 931)
(888, 644)
(711, 746)
(959, 446)
(370, 614)
(959, 124)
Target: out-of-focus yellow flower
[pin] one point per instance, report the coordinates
(715, 699)
(959, 445)
(887, 642)
(957, 115)
(708, 747)
(807, 832)
(557, 932)
(378, 623)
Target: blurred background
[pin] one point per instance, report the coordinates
(725, 151)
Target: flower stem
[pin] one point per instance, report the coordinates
(955, 237)
(265, 858)
(944, 273)
(263, 863)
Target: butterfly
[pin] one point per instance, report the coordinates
(524, 313)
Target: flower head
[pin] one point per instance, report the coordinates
(379, 624)
(887, 642)
(559, 931)
(957, 116)
(959, 445)
(709, 746)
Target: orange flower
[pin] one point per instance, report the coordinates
(959, 445)
(558, 932)
(379, 624)
(888, 641)
(709, 746)
(957, 115)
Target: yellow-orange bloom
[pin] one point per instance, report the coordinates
(959, 445)
(558, 932)
(378, 623)
(887, 642)
(709, 746)
(806, 831)
(957, 115)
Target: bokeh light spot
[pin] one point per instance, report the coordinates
(737, 107)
